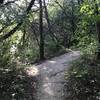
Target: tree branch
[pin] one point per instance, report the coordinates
(7, 3)
(7, 35)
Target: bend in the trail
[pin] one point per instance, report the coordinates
(51, 76)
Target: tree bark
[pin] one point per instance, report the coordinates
(96, 11)
(41, 31)
(98, 33)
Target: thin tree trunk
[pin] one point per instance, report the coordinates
(41, 32)
(72, 21)
(54, 38)
(98, 33)
(97, 28)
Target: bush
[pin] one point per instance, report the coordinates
(15, 84)
(5, 56)
(52, 49)
(83, 80)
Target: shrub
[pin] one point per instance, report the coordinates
(83, 80)
(15, 84)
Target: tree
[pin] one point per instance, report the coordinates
(7, 35)
(54, 38)
(96, 11)
(41, 31)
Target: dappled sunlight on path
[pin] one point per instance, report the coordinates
(51, 76)
(32, 71)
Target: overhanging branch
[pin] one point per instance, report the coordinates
(7, 35)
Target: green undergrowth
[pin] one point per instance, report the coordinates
(16, 84)
(83, 79)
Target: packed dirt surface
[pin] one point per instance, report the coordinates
(51, 76)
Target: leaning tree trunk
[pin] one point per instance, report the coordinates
(9, 34)
(41, 32)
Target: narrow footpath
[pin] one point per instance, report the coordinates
(51, 76)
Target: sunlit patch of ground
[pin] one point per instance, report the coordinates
(52, 62)
(32, 71)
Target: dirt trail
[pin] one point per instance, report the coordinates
(51, 76)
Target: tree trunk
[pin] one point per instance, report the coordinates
(98, 32)
(96, 11)
(41, 32)
(54, 38)
(72, 21)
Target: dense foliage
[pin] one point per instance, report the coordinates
(32, 30)
(83, 80)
